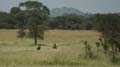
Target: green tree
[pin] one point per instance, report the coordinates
(36, 13)
(109, 26)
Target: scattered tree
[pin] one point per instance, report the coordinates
(36, 13)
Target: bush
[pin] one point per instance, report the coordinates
(116, 60)
(88, 51)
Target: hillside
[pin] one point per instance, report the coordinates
(65, 10)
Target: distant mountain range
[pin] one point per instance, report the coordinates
(65, 10)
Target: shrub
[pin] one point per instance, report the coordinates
(88, 51)
(116, 60)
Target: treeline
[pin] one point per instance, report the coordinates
(16, 17)
(71, 22)
(12, 20)
(7, 21)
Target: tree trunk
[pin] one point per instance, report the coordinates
(36, 32)
(113, 50)
(35, 40)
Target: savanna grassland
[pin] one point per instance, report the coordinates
(15, 52)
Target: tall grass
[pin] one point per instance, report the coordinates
(70, 51)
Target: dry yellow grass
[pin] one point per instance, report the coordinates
(8, 35)
(58, 34)
(62, 37)
(70, 52)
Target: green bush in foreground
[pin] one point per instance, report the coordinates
(116, 60)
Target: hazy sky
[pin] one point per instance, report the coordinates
(92, 6)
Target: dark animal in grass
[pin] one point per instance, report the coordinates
(39, 47)
(55, 46)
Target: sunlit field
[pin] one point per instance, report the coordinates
(15, 52)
